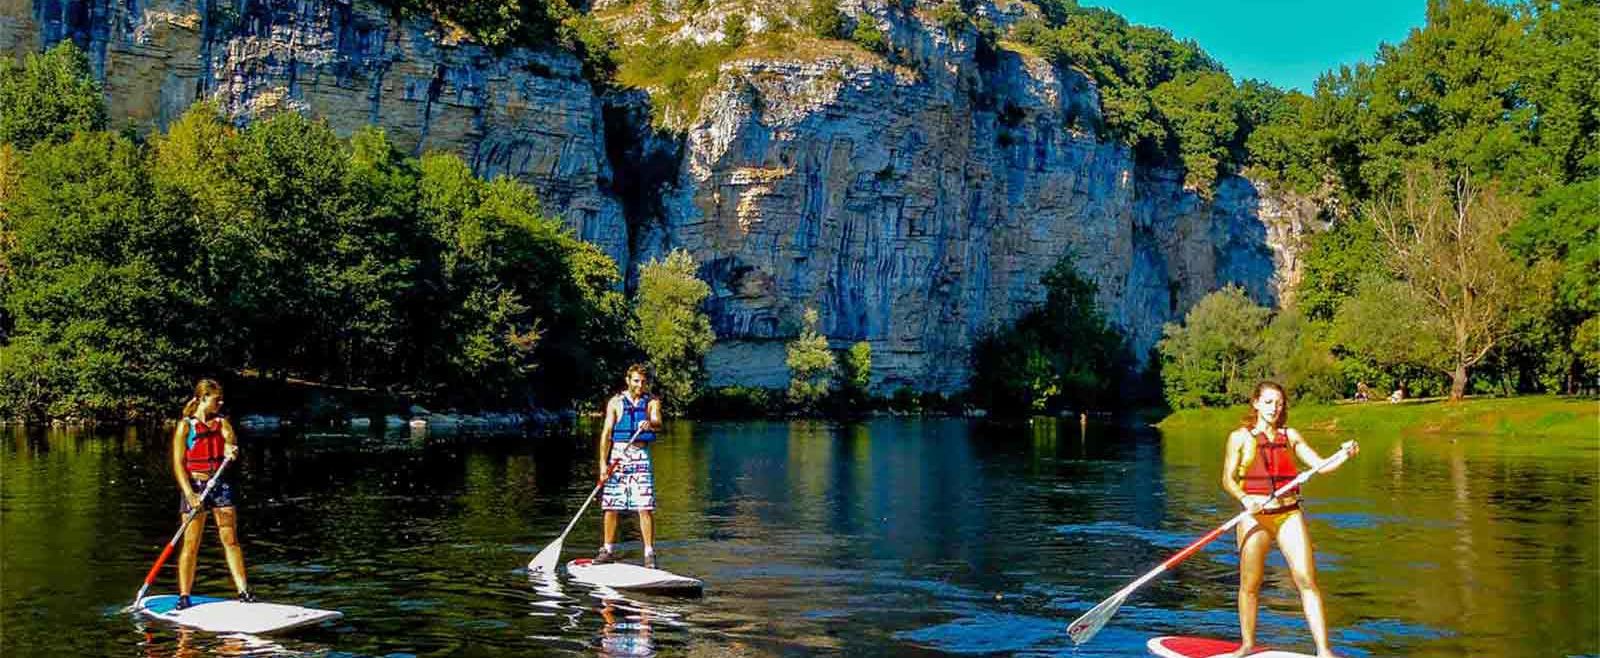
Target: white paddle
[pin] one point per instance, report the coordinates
(548, 558)
(1084, 628)
(167, 552)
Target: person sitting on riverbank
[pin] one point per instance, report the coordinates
(632, 419)
(202, 440)
(1398, 395)
(1362, 392)
(1259, 459)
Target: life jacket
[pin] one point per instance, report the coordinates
(1272, 466)
(633, 414)
(205, 446)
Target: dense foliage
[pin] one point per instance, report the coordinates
(672, 328)
(811, 365)
(1060, 355)
(280, 250)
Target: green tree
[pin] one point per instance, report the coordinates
(1208, 359)
(49, 98)
(99, 323)
(855, 374)
(823, 20)
(1445, 245)
(1294, 354)
(867, 35)
(1563, 226)
(672, 327)
(1334, 266)
(1200, 107)
(811, 367)
(1379, 331)
(1061, 354)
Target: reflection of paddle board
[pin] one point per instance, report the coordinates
(618, 575)
(230, 616)
(1199, 647)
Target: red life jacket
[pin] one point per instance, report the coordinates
(1273, 465)
(205, 446)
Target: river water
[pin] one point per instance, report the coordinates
(890, 537)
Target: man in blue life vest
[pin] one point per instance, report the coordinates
(632, 419)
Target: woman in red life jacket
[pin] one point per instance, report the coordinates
(1260, 459)
(199, 444)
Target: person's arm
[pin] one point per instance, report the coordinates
(1230, 470)
(1309, 456)
(230, 441)
(653, 411)
(605, 434)
(180, 436)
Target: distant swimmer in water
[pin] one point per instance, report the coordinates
(1260, 459)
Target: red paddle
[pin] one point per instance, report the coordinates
(1084, 628)
(167, 552)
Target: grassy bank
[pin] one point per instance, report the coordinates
(1538, 415)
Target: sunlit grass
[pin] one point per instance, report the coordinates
(1534, 415)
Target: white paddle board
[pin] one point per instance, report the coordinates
(1172, 646)
(619, 575)
(231, 616)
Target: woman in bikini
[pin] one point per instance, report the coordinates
(1260, 459)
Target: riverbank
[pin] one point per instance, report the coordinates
(1533, 415)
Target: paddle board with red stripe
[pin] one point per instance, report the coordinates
(1172, 646)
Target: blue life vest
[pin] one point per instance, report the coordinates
(632, 415)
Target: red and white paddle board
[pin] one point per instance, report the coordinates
(1172, 646)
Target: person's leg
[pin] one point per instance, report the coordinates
(189, 554)
(1254, 541)
(227, 530)
(647, 530)
(1295, 542)
(610, 525)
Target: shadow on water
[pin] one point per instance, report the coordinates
(888, 537)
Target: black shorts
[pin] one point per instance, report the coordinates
(221, 496)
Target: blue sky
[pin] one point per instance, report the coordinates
(1285, 42)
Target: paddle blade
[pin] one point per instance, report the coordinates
(1084, 628)
(545, 562)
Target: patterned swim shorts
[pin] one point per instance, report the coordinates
(631, 487)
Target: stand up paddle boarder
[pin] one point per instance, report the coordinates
(1259, 460)
(632, 418)
(200, 443)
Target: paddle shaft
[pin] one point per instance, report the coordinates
(187, 519)
(612, 467)
(1191, 549)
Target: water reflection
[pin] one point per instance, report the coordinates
(886, 537)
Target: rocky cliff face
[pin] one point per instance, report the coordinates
(917, 205)
(914, 204)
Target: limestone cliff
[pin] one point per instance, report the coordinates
(914, 203)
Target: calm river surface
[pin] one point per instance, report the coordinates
(890, 537)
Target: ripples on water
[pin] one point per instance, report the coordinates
(887, 538)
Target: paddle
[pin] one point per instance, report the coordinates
(167, 552)
(548, 558)
(1085, 627)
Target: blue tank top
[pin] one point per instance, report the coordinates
(633, 414)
